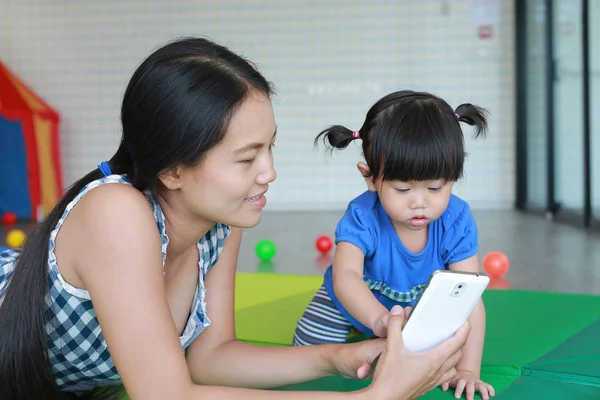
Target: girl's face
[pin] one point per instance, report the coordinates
(413, 205)
(410, 205)
(230, 183)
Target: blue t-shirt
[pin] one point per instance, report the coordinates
(393, 273)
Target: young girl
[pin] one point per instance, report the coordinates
(405, 226)
(130, 279)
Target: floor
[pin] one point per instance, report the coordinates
(543, 255)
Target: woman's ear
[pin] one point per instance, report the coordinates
(171, 178)
(364, 171)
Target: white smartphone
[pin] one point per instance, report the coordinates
(443, 306)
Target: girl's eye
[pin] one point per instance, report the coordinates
(437, 189)
(247, 161)
(402, 190)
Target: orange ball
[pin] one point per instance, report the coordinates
(495, 264)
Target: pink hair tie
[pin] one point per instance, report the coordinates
(457, 116)
(356, 135)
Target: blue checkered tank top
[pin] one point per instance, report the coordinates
(78, 352)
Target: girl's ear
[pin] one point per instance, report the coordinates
(364, 171)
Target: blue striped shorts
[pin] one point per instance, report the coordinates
(321, 323)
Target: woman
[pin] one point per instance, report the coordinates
(137, 261)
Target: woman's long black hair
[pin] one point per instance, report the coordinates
(175, 108)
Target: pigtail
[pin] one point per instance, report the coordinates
(337, 137)
(474, 116)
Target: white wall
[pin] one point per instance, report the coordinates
(329, 60)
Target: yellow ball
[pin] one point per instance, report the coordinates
(15, 238)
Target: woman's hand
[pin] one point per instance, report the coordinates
(401, 374)
(355, 360)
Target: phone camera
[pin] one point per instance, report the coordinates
(460, 286)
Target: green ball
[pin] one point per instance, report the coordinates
(265, 250)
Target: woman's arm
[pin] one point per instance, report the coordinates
(217, 358)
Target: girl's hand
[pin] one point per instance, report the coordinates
(470, 383)
(380, 324)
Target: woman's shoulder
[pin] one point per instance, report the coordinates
(106, 226)
(106, 212)
(112, 200)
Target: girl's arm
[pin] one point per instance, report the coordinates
(473, 349)
(351, 290)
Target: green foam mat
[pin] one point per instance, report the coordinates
(340, 384)
(576, 360)
(346, 385)
(528, 387)
(521, 325)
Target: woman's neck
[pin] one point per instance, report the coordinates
(183, 228)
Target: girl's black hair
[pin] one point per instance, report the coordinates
(411, 136)
(176, 107)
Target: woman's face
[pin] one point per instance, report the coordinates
(230, 183)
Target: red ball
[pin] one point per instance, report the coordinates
(9, 218)
(324, 244)
(495, 264)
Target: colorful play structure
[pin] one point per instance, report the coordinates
(30, 162)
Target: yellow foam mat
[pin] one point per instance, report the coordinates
(253, 289)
